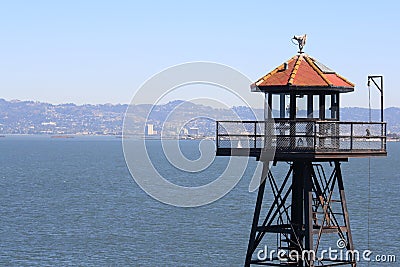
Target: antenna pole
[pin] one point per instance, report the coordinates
(379, 87)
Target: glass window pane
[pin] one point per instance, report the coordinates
(286, 107)
(280, 105)
(276, 105)
(335, 106)
(328, 107)
(301, 106)
(315, 106)
(265, 106)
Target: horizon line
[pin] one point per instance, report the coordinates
(116, 104)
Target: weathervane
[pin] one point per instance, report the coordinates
(301, 41)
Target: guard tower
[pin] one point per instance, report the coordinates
(305, 210)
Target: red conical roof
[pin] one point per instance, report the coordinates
(303, 72)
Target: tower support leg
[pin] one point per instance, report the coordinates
(301, 214)
(256, 218)
(350, 245)
(297, 208)
(308, 214)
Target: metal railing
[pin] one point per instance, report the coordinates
(287, 136)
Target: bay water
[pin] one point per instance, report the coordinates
(72, 202)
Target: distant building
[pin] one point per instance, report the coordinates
(52, 123)
(193, 131)
(150, 130)
(184, 131)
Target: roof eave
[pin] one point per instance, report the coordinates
(287, 88)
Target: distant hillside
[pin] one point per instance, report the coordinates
(29, 117)
(391, 116)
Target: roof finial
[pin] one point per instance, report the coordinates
(301, 41)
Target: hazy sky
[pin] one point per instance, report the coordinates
(102, 51)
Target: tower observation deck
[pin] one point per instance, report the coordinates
(303, 118)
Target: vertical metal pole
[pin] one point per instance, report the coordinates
(333, 106)
(282, 106)
(310, 106)
(385, 138)
(381, 98)
(292, 123)
(351, 136)
(380, 88)
(267, 121)
(297, 206)
(292, 105)
(315, 136)
(345, 212)
(338, 106)
(308, 211)
(255, 134)
(256, 217)
(268, 106)
(322, 107)
(382, 132)
(216, 136)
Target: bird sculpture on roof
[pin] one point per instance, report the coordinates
(301, 41)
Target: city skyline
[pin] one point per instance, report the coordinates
(29, 117)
